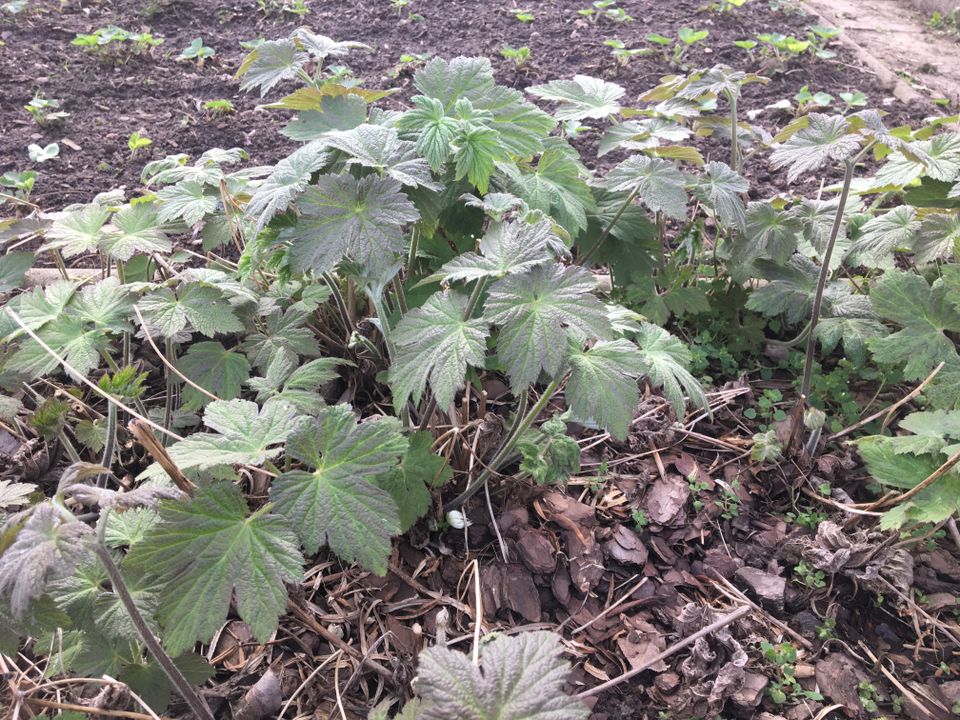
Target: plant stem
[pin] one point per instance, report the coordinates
(474, 298)
(609, 227)
(401, 295)
(341, 305)
(107, 460)
(171, 353)
(506, 448)
(849, 165)
(414, 247)
(734, 135)
(186, 690)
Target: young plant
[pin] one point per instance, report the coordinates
(197, 51)
(522, 15)
(819, 37)
(725, 6)
(675, 50)
(520, 55)
(621, 53)
(219, 107)
(408, 63)
(113, 42)
(808, 101)
(19, 183)
(38, 154)
(45, 111)
(137, 142)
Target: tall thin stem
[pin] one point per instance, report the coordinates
(849, 165)
(338, 301)
(609, 227)
(506, 448)
(107, 460)
(734, 135)
(183, 686)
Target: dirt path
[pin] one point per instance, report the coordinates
(896, 34)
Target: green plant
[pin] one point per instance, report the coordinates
(38, 154)
(807, 101)
(949, 22)
(812, 578)
(137, 142)
(196, 50)
(783, 47)
(21, 183)
(113, 42)
(44, 111)
(674, 50)
(219, 107)
(785, 688)
(819, 37)
(548, 455)
(408, 63)
(640, 519)
(520, 55)
(622, 53)
(725, 6)
(522, 15)
(827, 630)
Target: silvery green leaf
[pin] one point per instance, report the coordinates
(602, 389)
(434, 342)
(519, 678)
(539, 313)
(380, 148)
(207, 552)
(825, 140)
(337, 503)
(341, 215)
(664, 360)
(661, 185)
(937, 237)
(271, 63)
(289, 178)
(188, 200)
(581, 98)
(79, 231)
(770, 233)
(201, 307)
(337, 112)
(41, 551)
(14, 494)
(506, 248)
(720, 189)
(884, 234)
(134, 229)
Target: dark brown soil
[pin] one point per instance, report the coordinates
(162, 97)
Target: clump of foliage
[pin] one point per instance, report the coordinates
(115, 43)
(45, 111)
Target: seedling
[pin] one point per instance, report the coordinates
(115, 42)
(42, 154)
(400, 5)
(622, 53)
(819, 37)
(196, 50)
(785, 688)
(640, 519)
(811, 577)
(853, 100)
(137, 142)
(725, 6)
(783, 47)
(219, 107)
(520, 55)
(605, 9)
(807, 101)
(408, 63)
(748, 45)
(675, 50)
(44, 111)
(522, 15)
(21, 183)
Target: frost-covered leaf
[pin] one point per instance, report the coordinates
(79, 231)
(664, 360)
(924, 313)
(519, 678)
(539, 312)
(135, 229)
(342, 214)
(824, 140)
(602, 389)
(720, 189)
(43, 550)
(13, 269)
(270, 63)
(580, 98)
(506, 248)
(434, 342)
(200, 306)
(13, 494)
(188, 200)
(288, 179)
(338, 502)
(210, 550)
(887, 232)
(379, 147)
(937, 238)
(661, 185)
(216, 369)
